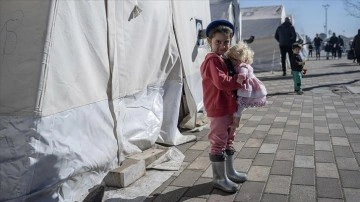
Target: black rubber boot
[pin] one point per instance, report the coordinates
(232, 174)
(220, 179)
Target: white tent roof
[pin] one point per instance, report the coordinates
(263, 12)
(261, 22)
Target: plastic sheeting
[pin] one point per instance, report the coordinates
(83, 84)
(49, 158)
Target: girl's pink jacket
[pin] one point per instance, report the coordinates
(218, 87)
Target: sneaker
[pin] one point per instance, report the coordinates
(284, 74)
(299, 92)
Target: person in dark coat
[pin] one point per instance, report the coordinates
(327, 48)
(340, 46)
(334, 41)
(310, 49)
(356, 46)
(285, 34)
(317, 43)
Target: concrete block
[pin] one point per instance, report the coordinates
(129, 171)
(149, 155)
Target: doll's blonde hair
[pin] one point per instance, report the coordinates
(241, 52)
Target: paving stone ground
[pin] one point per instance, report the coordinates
(297, 148)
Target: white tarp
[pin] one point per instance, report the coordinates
(84, 83)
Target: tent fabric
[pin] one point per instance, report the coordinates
(263, 12)
(261, 22)
(192, 50)
(268, 28)
(53, 157)
(145, 52)
(64, 143)
(85, 83)
(229, 10)
(78, 58)
(22, 25)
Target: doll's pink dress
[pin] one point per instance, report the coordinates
(253, 92)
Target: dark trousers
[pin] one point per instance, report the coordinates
(339, 52)
(283, 51)
(333, 52)
(357, 57)
(317, 51)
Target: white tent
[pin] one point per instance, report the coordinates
(84, 83)
(262, 22)
(229, 10)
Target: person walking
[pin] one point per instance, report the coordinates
(310, 50)
(334, 41)
(356, 46)
(340, 46)
(285, 35)
(317, 43)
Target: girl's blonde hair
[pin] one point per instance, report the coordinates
(241, 52)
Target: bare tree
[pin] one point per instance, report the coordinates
(352, 7)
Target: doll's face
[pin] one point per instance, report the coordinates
(220, 43)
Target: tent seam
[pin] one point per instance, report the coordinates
(46, 57)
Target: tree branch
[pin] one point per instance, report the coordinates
(352, 7)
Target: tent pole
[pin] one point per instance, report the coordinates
(46, 56)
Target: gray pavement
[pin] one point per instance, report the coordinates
(297, 148)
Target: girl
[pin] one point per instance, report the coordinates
(253, 92)
(220, 104)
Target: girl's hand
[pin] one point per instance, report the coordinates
(241, 78)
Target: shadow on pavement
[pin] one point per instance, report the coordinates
(307, 76)
(314, 87)
(342, 64)
(186, 193)
(330, 85)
